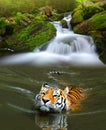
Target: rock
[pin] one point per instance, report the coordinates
(2, 26)
(97, 22)
(77, 16)
(91, 10)
(96, 27)
(102, 4)
(23, 32)
(84, 12)
(47, 10)
(64, 24)
(35, 34)
(100, 41)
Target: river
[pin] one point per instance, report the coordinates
(22, 75)
(19, 84)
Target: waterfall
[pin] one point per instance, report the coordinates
(67, 42)
(66, 48)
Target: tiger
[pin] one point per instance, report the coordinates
(54, 99)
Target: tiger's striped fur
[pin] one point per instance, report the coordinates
(51, 99)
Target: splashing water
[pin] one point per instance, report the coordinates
(67, 47)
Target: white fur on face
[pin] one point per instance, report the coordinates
(59, 103)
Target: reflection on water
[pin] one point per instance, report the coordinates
(51, 121)
(55, 121)
(20, 84)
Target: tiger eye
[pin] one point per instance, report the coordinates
(54, 95)
(43, 93)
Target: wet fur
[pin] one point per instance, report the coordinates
(70, 97)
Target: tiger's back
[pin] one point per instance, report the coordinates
(75, 97)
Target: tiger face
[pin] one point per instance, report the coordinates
(51, 99)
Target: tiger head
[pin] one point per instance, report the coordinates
(51, 99)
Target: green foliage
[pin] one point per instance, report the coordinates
(8, 7)
(82, 1)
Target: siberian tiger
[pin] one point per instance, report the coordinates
(52, 99)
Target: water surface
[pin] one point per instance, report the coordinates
(20, 84)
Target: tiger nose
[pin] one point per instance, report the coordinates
(45, 100)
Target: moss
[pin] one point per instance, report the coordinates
(6, 28)
(41, 17)
(103, 57)
(2, 26)
(33, 35)
(64, 24)
(26, 31)
(98, 21)
(75, 29)
(97, 37)
(47, 10)
(45, 34)
(96, 27)
(99, 40)
(84, 12)
(77, 16)
(89, 11)
(18, 17)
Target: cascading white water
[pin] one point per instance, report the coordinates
(67, 42)
(67, 47)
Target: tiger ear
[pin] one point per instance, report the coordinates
(45, 84)
(66, 90)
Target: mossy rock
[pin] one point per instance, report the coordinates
(41, 17)
(97, 22)
(32, 36)
(47, 10)
(90, 10)
(96, 27)
(23, 31)
(2, 26)
(64, 24)
(77, 16)
(5, 27)
(56, 17)
(23, 19)
(100, 41)
(102, 4)
(82, 28)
